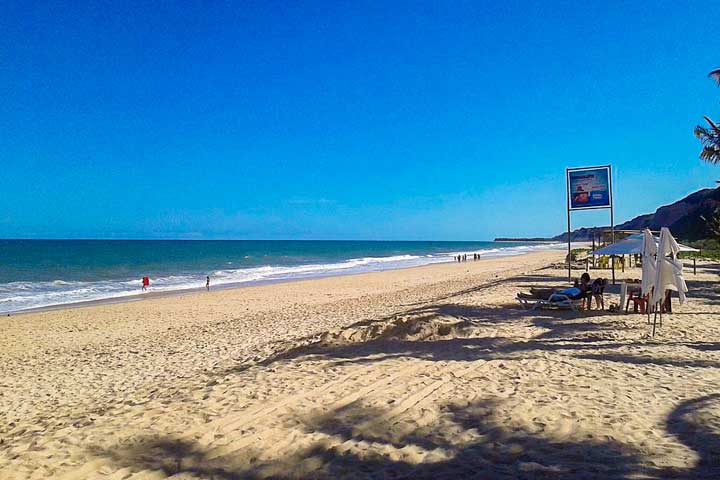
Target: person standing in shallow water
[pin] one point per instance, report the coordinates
(207, 283)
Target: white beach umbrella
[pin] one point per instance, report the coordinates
(649, 251)
(633, 244)
(668, 274)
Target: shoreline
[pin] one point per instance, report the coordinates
(150, 295)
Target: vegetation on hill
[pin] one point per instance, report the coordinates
(695, 217)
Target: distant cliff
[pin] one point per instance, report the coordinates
(684, 218)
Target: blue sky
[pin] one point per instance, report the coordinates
(344, 120)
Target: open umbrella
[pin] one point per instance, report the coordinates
(633, 244)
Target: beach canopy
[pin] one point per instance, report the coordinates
(633, 245)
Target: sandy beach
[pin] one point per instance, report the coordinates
(428, 372)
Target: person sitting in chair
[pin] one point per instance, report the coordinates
(597, 288)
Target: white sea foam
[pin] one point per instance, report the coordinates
(17, 296)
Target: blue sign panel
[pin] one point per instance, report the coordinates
(589, 188)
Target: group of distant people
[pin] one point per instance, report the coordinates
(463, 257)
(146, 283)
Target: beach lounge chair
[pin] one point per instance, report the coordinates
(555, 300)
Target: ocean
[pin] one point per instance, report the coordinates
(40, 273)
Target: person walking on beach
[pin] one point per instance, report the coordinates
(145, 283)
(207, 283)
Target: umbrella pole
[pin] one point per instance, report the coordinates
(654, 322)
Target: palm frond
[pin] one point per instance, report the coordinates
(710, 139)
(713, 125)
(710, 155)
(707, 136)
(715, 75)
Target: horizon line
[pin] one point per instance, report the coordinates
(254, 239)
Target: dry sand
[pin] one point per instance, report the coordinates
(430, 372)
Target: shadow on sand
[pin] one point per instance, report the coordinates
(351, 448)
(466, 441)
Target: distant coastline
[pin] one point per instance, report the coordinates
(525, 240)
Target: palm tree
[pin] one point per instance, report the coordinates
(710, 136)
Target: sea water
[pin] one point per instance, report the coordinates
(39, 273)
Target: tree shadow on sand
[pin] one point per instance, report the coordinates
(490, 449)
(467, 439)
(696, 423)
(466, 442)
(166, 455)
(650, 360)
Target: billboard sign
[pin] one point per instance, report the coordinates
(589, 187)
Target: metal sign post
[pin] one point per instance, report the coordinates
(569, 259)
(612, 231)
(589, 188)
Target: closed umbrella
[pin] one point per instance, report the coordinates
(668, 272)
(649, 251)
